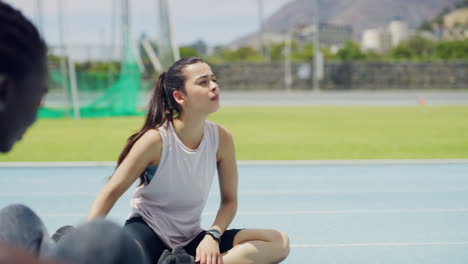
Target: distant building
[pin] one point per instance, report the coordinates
(201, 47)
(398, 31)
(377, 40)
(428, 35)
(387, 41)
(456, 25)
(331, 35)
(382, 40)
(270, 38)
(371, 40)
(254, 40)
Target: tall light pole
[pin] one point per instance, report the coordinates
(70, 65)
(113, 17)
(39, 16)
(262, 29)
(318, 61)
(63, 53)
(168, 51)
(125, 25)
(174, 47)
(287, 62)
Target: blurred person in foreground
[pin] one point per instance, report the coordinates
(23, 236)
(175, 156)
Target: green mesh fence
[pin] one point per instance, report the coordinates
(99, 94)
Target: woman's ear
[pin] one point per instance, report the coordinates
(179, 97)
(5, 91)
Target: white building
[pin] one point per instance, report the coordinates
(382, 40)
(330, 34)
(376, 40)
(254, 40)
(371, 39)
(399, 31)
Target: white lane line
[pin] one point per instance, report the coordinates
(394, 244)
(256, 192)
(70, 215)
(46, 194)
(310, 212)
(253, 162)
(354, 162)
(362, 211)
(337, 191)
(59, 164)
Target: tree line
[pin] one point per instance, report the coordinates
(416, 48)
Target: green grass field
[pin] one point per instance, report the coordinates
(275, 133)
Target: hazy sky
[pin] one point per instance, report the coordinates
(89, 21)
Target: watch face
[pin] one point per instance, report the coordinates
(215, 233)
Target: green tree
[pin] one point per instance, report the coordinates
(402, 51)
(104, 67)
(426, 26)
(277, 51)
(247, 53)
(350, 51)
(188, 51)
(373, 56)
(305, 54)
(244, 53)
(416, 47)
(327, 54)
(452, 50)
(54, 59)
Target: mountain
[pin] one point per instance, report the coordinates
(360, 14)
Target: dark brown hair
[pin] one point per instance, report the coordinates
(162, 106)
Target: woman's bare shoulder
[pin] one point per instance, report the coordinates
(149, 146)
(224, 133)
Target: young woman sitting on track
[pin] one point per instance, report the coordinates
(175, 155)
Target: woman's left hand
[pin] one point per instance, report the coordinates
(208, 251)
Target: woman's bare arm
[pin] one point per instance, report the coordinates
(228, 180)
(145, 152)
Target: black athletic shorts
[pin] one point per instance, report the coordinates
(154, 247)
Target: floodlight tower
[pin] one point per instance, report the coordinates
(125, 25)
(318, 60)
(168, 51)
(39, 20)
(261, 36)
(63, 52)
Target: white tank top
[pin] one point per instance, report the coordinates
(173, 201)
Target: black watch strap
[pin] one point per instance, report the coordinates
(215, 234)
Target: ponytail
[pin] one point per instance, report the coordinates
(162, 106)
(155, 117)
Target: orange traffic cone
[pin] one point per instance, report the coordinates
(421, 101)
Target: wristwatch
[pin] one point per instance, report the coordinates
(215, 234)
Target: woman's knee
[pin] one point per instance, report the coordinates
(281, 244)
(277, 242)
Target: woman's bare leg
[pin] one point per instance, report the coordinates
(259, 246)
